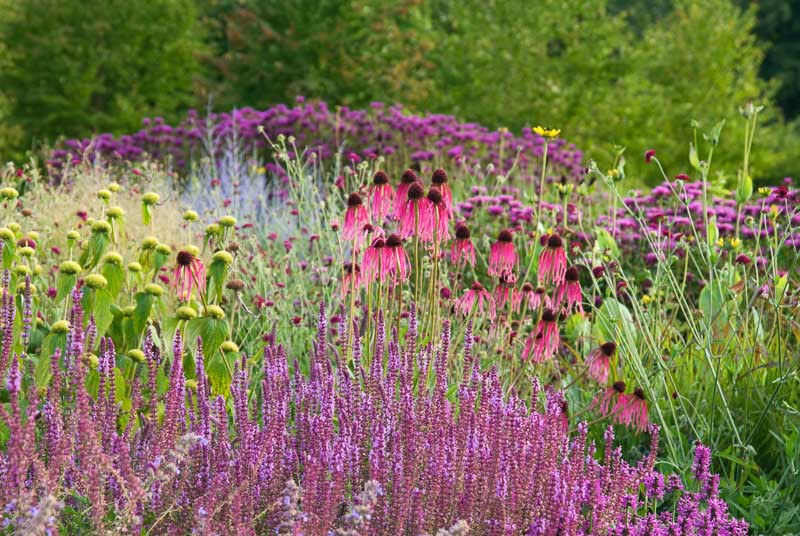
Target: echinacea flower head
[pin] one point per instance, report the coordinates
(381, 197)
(189, 273)
(436, 225)
(599, 361)
(479, 298)
(609, 399)
(373, 260)
(395, 263)
(406, 180)
(462, 248)
(415, 213)
(505, 292)
(542, 344)
(351, 279)
(355, 218)
(503, 255)
(553, 261)
(633, 410)
(568, 293)
(439, 180)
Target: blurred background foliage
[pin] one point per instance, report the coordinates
(627, 72)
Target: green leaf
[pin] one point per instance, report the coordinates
(612, 319)
(64, 285)
(147, 214)
(218, 371)
(95, 248)
(9, 252)
(159, 260)
(115, 275)
(217, 273)
(103, 315)
(606, 243)
(144, 302)
(42, 373)
(213, 332)
(745, 189)
(694, 160)
(712, 303)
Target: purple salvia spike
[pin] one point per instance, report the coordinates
(90, 333)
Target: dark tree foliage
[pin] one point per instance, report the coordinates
(73, 67)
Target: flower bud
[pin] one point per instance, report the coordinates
(154, 290)
(95, 281)
(70, 268)
(215, 311)
(222, 256)
(185, 313)
(229, 346)
(60, 327)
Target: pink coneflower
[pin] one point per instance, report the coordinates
(408, 178)
(462, 247)
(414, 213)
(542, 343)
(355, 218)
(395, 259)
(599, 361)
(381, 196)
(553, 261)
(632, 411)
(373, 260)
(538, 298)
(189, 273)
(439, 180)
(437, 223)
(505, 292)
(569, 292)
(609, 400)
(351, 278)
(476, 295)
(502, 256)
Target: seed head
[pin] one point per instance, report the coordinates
(555, 242)
(150, 198)
(380, 178)
(95, 281)
(571, 274)
(435, 196)
(227, 221)
(505, 236)
(223, 257)
(462, 232)
(409, 177)
(69, 268)
(439, 177)
(354, 200)
(608, 348)
(184, 258)
(154, 289)
(393, 241)
(415, 191)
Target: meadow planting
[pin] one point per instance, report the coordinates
(305, 320)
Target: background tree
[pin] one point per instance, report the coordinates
(80, 66)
